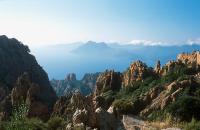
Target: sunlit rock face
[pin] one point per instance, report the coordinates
(109, 80)
(194, 57)
(157, 68)
(136, 72)
(15, 60)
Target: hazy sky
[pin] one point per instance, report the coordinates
(60, 21)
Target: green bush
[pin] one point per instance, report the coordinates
(109, 97)
(193, 125)
(185, 108)
(157, 116)
(123, 106)
(19, 121)
(55, 123)
(35, 124)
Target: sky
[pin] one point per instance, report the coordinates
(45, 22)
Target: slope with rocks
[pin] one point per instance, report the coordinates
(171, 90)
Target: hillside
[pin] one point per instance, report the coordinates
(168, 94)
(21, 77)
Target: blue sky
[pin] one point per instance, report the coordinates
(46, 22)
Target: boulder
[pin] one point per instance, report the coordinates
(105, 120)
(80, 116)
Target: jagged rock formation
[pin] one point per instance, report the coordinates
(71, 77)
(15, 60)
(74, 107)
(171, 66)
(71, 84)
(29, 92)
(89, 110)
(160, 97)
(136, 72)
(81, 110)
(157, 68)
(194, 57)
(89, 79)
(109, 80)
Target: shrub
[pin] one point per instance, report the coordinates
(35, 124)
(157, 116)
(193, 125)
(123, 106)
(185, 108)
(19, 121)
(109, 97)
(55, 123)
(18, 118)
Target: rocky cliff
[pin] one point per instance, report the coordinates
(16, 61)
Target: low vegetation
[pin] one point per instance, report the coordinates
(19, 121)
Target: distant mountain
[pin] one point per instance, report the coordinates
(92, 47)
(91, 57)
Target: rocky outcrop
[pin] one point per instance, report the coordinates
(109, 80)
(15, 60)
(78, 108)
(89, 80)
(157, 68)
(31, 94)
(161, 96)
(186, 58)
(105, 120)
(86, 86)
(171, 66)
(5, 108)
(82, 110)
(136, 72)
(70, 77)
